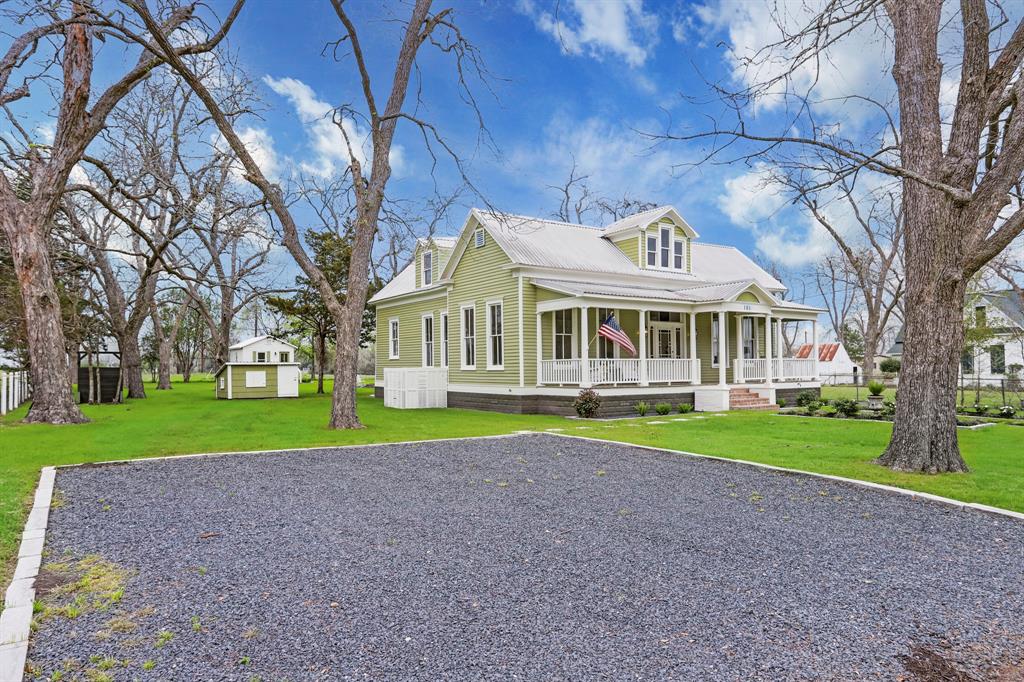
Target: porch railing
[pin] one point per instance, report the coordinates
(560, 372)
(756, 369)
(612, 371)
(660, 370)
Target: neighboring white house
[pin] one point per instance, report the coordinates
(834, 364)
(1002, 313)
(262, 349)
(260, 367)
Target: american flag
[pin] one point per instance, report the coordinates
(611, 330)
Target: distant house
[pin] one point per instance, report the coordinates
(1002, 313)
(832, 360)
(510, 313)
(260, 367)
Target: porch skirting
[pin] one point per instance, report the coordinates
(615, 405)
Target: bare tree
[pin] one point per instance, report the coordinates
(580, 204)
(368, 184)
(960, 200)
(60, 35)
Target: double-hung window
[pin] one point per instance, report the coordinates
(428, 340)
(428, 268)
(666, 242)
(652, 250)
(495, 336)
(563, 334)
(677, 254)
(468, 327)
(997, 359)
(444, 339)
(749, 338)
(664, 249)
(714, 341)
(393, 339)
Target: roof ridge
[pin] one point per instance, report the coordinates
(549, 221)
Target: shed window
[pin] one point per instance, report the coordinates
(260, 356)
(222, 382)
(495, 337)
(256, 379)
(283, 356)
(393, 339)
(428, 268)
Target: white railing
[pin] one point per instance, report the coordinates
(615, 371)
(794, 368)
(14, 390)
(751, 369)
(661, 370)
(560, 371)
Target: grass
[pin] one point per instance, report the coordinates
(988, 396)
(189, 419)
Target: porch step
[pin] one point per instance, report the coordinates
(745, 399)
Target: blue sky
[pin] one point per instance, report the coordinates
(579, 84)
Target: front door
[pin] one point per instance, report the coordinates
(666, 340)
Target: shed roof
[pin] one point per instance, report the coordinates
(257, 339)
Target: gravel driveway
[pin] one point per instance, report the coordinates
(529, 557)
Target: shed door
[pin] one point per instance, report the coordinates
(287, 381)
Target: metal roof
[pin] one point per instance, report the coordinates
(249, 342)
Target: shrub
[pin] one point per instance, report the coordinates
(806, 397)
(889, 365)
(641, 408)
(876, 387)
(1007, 411)
(888, 408)
(828, 411)
(663, 408)
(847, 407)
(684, 408)
(812, 406)
(781, 402)
(587, 403)
(980, 408)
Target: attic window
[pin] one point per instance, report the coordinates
(428, 268)
(478, 238)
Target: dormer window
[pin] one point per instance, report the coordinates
(428, 268)
(665, 251)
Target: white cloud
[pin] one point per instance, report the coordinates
(856, 65)
(754, 202)
(607, 27)
(260, 145)
(616, 159)
(327, 140)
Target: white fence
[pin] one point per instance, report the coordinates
(672, 369)
(408, 388)
(14, 390)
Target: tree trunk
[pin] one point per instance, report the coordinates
(52, 399)
(131, 365)
(320, 350)
(871, 334)
(164, 362)
(343, 399)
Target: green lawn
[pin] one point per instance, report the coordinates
(188, 419)
(987, 396)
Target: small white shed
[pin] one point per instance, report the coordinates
(260, 367)
(262, 349)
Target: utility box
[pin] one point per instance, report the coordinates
(409, 388)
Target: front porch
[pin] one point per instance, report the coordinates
(656, 371)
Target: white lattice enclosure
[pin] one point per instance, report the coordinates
(409, 388)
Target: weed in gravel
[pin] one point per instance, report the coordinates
(502, 484)
(163, 638)
(601, 472)
(93, 675)
(149, 664)
(121, 624)
(244, 660)
(250, 633)
(58, 500)
(202, 570)
(625, 512)
(197, 625)
(756, 496)
(89, 584)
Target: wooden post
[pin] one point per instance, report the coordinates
(644, 378)
(540, 346)
(722, 360)
(769, 362)
(585, 350)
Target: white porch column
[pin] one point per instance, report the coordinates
(694, 375)
(814, 350)
(3, 393)
(722, 358)
(644, 379)
(737, 370)
(585, 347)
(540, 347)
(769, 378)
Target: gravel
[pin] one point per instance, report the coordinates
(527, 557)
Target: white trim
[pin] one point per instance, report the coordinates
(519, 332)
(462, 336)
(423, 339)
(394, 338)
(230, 389)
(487, 326)
(570, 390)
(445, 330)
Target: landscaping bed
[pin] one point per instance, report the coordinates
(535, 556)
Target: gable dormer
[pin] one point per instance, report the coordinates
(658, 239)
(430, 258)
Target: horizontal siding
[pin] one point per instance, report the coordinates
(631, 247)
(410, 333)
(240, 390)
